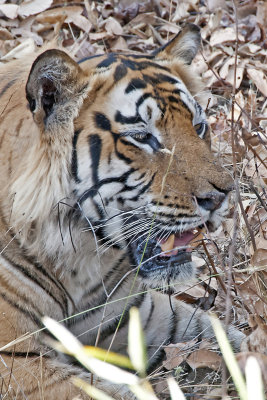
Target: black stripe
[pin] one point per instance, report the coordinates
(109, 60)
(7, 86)
(24, 354)
(160, 355)
(126, 143)
(89, 193)
(135, 84)
(140, 65)
(37, 281)
(32, 261)
(170, 205)
(142, 99)
(109, 330)
(74, 163)
(89, 58)
(30, 314)
(95, 144)
(120, 72)
(144, 189)
(149, 315)
(111, 274)
(166, 78)
(127, 120)
(176, 100)
(151, 141)
(102, 122)
(57, 283)
(144, 56)
(180, 215)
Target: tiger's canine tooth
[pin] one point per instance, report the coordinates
(196, 241)
(169, 244)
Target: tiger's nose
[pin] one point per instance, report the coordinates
(211, 200)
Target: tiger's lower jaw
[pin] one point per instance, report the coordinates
(157, 270)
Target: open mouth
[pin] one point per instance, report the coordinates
(170, 257)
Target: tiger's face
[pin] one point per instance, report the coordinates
(140, 166)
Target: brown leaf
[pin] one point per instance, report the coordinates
(59, 14)
(33, 7)
(257, 340)
(259, 258)
(177, 353)
(120, 44)
(5, 34)
(204, 358)
(248, 290)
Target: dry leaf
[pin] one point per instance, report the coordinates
(259, 78)
(204, 358)
(225, 35)
(259, 258)
(120, 44)
(9, 10)
(80, 21)
(113, 27)
(213, 5)
(26, 33)
(248, 290)
(98, 36)
(177, 353)
(261, 14)
(257, 340)
(181, 11)
(5, 34)
(26, 47)
(57, 14)
(33, 7)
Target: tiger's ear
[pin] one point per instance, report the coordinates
(184, 45)
(55, 88)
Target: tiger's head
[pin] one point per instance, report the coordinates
(135, 149)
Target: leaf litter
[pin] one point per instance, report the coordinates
(233, 66)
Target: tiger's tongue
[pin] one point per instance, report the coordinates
(174, 241)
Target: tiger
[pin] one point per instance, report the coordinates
(103, 163)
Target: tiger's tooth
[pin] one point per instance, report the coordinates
(199, 236)
(168, 245)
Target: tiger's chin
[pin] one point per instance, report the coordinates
(157, 267)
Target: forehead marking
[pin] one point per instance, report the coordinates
(111, 58)
(120, 72)
(102, 122)
(95, 144)
(135, 83)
